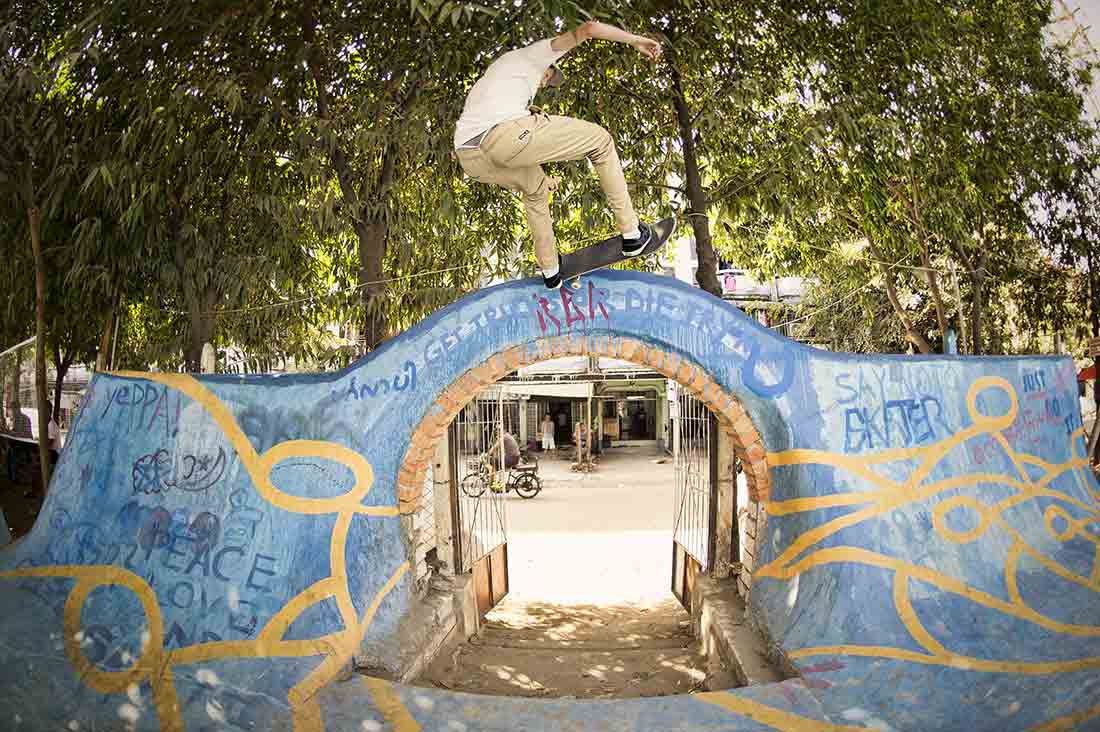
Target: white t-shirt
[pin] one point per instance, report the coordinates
(505, 90)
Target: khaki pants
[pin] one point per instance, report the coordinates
(513, 152)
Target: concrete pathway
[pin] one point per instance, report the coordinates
(589, 613)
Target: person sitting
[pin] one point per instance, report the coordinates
(511, 452)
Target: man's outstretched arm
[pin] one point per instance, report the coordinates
(648, 47)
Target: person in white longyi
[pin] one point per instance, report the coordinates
(547, 433)
(499, 140)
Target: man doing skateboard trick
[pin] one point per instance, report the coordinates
(499, 140)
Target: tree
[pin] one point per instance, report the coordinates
(194, 188)
(924, 130)
(372, 113)
(41, 131)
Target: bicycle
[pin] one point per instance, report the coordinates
(523, 478)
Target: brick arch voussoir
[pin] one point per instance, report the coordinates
(732, 418)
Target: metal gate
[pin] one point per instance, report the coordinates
(476, 450)
(695, 462)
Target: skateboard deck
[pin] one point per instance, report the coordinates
(609, 251)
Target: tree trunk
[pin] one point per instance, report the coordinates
(103, 353)
(977, 303)
(889, 278)
(199, 304)
(373, 241)
(34, 219)
(192, 356)
(706, 274)
(911, 333)
(962, 318)
(934, 287)
(62, 365)
(55, 415)
(977, 281)
(202, 330)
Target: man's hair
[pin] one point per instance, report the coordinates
(557, 78)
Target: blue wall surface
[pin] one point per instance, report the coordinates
(213, 550)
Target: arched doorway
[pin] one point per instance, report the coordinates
(712, 439)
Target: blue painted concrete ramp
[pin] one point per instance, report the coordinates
(214, 550)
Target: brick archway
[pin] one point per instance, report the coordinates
(734, 420)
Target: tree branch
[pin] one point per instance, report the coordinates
(640, 184)
(313, 61)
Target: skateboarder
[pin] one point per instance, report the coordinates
(499, 140)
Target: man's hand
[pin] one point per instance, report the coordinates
(648, 47)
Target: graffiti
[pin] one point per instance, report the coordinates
(331, 480)
(866, 428)
(156, 472)
(206, 531)
(447, 344)
(81, 542)
(186, 559)
(955, 508)
(241, 523)
(401, 381)
(1035, 414)
(1040, 411)
(753, 357)
(573, 309)
(887, 407)
(268, 425)
(219, 565)
(707, 328)
(702, 328)
(155, 531)
(1034, 382)
(892, 381)
(757, 385)
(660, 304)
(146, 407)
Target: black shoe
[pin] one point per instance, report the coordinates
(554, 282)
(634, 247)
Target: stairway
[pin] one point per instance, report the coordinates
(537, 649)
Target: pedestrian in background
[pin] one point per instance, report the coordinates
(547, 432)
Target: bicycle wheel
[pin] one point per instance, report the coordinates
(527, 485)
(473, 485)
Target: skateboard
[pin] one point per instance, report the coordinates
(604, 253)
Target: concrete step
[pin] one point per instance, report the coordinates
(573, 672)
(728, 636)
(608, 624)
(537, 640)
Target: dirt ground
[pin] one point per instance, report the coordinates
(589, 613)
